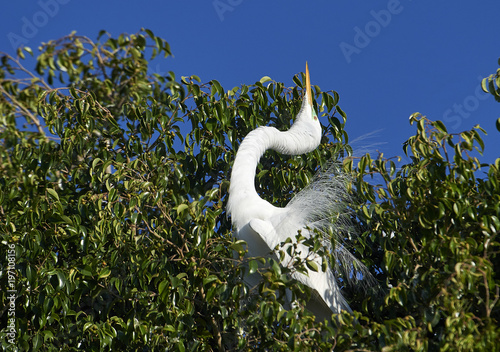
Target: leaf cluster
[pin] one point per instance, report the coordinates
(113, 183)
(117, 214)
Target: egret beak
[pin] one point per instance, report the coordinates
(308, 93)
(308, 86)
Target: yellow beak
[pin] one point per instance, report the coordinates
(308, 85)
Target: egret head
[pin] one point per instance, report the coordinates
(307, 119)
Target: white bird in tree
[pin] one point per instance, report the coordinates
(263, 226)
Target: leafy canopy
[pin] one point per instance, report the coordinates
(113, 182)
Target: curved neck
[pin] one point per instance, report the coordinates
(297, 140)
(249, 153)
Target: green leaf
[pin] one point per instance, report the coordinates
(105, 272)
(340, 111)
(74, 93)
(95, 161)
(218, 87)
(37, 342)
(311, 264)
(238, 246)
(53, 193)
(440, 126)
(253, 266)
(209, 280)
(170, 328)
(181, 208)
(484, 84)
(87, 325)
(86, 271)
(265, 79)
(297, 81)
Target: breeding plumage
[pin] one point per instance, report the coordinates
(263, 226)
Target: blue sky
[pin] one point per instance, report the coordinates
(386, 59)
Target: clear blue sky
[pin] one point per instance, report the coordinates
(386, 59)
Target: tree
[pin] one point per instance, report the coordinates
(113, 218)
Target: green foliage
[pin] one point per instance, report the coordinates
(117, 215)
(491, 84)
(434, 225)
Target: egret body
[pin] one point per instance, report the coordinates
(263, 226)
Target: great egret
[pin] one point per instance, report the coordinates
(263, 226)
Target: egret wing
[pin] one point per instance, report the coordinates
(265, 230)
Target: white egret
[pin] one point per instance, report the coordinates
(263, 226)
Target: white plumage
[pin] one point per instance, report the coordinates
(263, 226)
